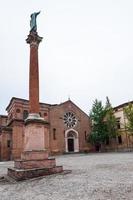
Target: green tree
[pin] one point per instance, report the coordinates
(128, 111)
(104, 124)
(111, 121)
(98, 135)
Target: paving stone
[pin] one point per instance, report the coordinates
(102, 176)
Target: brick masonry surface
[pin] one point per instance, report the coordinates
(53, 115)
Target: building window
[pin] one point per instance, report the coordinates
(85, 136)
(8, 143)
(54, 134)
(40, 114)
(25, 114)
(119, 139)
(45, 114)
(70, 134)
(17, 110)
(69, 119)
(118, 123)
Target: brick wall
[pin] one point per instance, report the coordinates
(56, 122)
(5, 144)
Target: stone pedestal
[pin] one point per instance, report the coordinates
(34, 136)
(34, 160)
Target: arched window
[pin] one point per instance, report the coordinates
(118, 123)
(17, 110)
(54, 133)
(119, 139)
(45, 114)
(70, 134)
(25, 114)
(85, 136)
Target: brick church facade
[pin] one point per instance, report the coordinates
(66, 128)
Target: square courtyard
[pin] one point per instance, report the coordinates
(94, 176)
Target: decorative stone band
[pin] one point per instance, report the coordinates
(34, 155)
(30, 164)
(35, 117)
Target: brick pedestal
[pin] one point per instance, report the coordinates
(34, 160)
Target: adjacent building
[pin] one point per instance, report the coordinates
(125, 139)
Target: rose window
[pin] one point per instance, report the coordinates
(70, 119)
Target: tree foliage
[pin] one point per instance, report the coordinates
(104, 125)
(99, 129)
(128, 111)
(110, 119)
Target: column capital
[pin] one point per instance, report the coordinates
(33, 38)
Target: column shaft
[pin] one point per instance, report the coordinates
(34, 79)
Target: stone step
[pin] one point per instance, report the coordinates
(29, 164)
(23, 174)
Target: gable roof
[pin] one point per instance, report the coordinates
(122, 105)
(74, 105)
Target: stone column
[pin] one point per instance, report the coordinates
(34, 40)
(34, 160)
(34, 138)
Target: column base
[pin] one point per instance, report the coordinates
(23, 174)
(33, 164)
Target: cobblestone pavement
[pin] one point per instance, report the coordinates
(103, 176)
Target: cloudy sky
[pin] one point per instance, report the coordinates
(86, 52)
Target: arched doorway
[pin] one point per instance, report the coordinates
(71, 141)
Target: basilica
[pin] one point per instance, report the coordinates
(66, 128)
